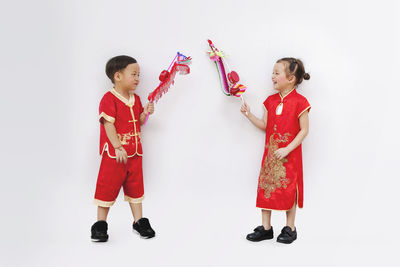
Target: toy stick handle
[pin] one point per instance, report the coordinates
(147, 117)
(173, 61)
(243, 102)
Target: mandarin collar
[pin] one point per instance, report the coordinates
(282, 98)
(130, 103)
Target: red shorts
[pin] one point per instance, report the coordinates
(113, 175)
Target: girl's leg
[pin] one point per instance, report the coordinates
(290, 216)
(262, 232)
(102, 213)
(266, 219)
(136, 209)
(288, 236)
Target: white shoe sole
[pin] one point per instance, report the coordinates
(142, 237)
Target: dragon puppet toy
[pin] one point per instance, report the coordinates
(180, 64)
(228, 78)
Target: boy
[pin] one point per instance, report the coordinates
(121, 115)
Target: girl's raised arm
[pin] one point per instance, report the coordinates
(259, 123)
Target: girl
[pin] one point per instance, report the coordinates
(285, 121)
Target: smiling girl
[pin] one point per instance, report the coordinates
(285, 120)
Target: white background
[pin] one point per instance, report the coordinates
(202, 157)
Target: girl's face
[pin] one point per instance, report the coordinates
(279, 78)
(129, 77)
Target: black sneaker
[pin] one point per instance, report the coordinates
(287, 236)
(142, 226)
(99, 231)
(260, 234)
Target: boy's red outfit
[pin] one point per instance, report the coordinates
(125, 115)
(281, 180)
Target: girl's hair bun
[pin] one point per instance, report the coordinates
(294, 66)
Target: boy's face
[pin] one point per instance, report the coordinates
(128, 78)
(279, 78)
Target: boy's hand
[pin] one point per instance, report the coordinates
(245, 109)
(281, 153)
(121, 155)
(149, 108)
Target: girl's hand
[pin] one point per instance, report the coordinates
(121, 155)
(281, 153)
(245, 109)
(149, 108)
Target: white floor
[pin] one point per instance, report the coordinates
(191, 231)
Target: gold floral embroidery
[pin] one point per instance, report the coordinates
(124, 138)
(273, 173)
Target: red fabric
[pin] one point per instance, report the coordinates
(113, 175)
(127, 126)
(279, 180)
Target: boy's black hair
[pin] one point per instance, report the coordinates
(116, 64)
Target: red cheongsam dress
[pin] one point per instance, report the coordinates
(280, 181)
(125, 115)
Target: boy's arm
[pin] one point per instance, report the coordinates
(284, 151)
(111, 132)
(142, 118)
(149, 108)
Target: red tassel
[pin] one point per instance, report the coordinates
(167, 79)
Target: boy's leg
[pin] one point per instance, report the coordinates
(136, 209)
(102, 213)
(266, 218)
(109, 181)
(133, 186)
(108, 184)
(134, 194)
(140, 224)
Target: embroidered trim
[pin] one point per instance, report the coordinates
(283, 97)
(304, 111)
(134, 126)
(134, 200)
(276, 209)
(105, 204)
(130, 103)
(106, 117)
(105, 148)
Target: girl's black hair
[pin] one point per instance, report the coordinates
(295, 67)
(116, 64)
